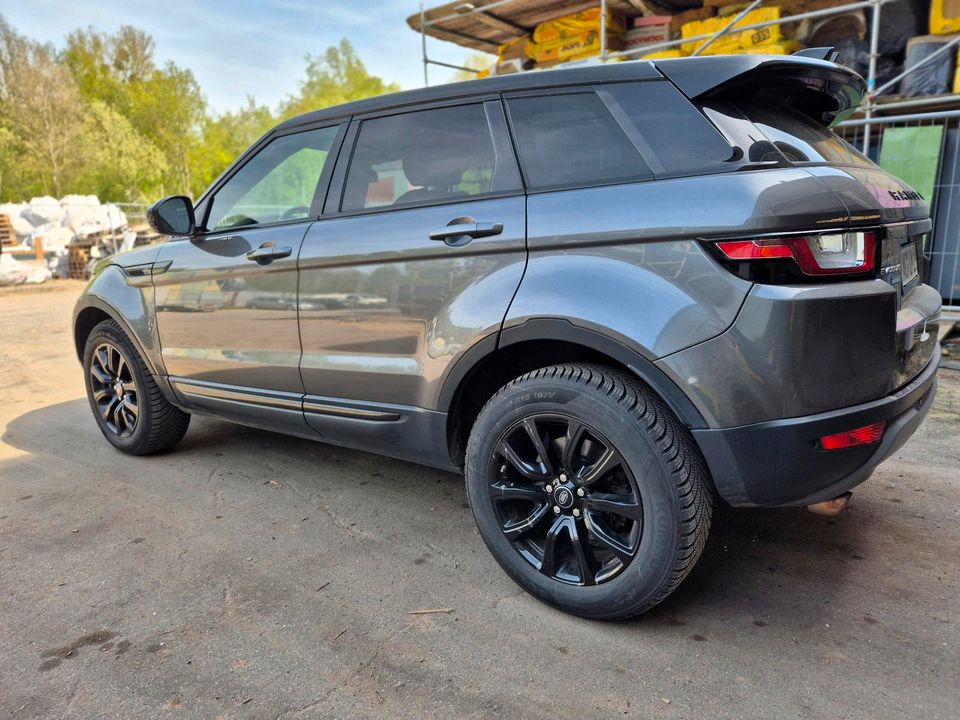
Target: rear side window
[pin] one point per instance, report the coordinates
(678, 139)
(428, 156)
(572, 139)
(798, 137)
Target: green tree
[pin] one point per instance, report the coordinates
(41, 110)
(120, 163)
(168, 108)
(102, 116)
(223, 138)
(338, 76)
(164, 105)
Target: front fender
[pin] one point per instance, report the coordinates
(127, 298)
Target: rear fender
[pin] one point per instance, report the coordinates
(545, 329)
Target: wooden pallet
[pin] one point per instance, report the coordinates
(79, 258)
(8, 237)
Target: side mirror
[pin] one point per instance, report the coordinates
(172, 216)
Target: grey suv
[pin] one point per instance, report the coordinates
(606, 294)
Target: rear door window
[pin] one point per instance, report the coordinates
(425, 157)
(572, 139)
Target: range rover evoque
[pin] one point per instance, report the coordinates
(606, 294)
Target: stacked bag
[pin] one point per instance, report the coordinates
(764, 41)
(574, 37)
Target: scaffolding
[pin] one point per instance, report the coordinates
(872, 102)
(864, 127)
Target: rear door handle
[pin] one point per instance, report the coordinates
(268, 252)
(460, 233)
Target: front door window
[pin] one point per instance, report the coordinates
(277, 185)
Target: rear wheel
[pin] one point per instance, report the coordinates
(128, 405)
(587, 490)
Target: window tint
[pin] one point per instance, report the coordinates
(676, 138)
(572, 140)
(798, 137)
(277, 184)
(425, 156)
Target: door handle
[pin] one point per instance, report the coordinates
(268, 252)
(458, 232)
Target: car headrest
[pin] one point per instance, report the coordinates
(438, 165)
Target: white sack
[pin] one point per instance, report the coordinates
(13, 272)
(44, 210)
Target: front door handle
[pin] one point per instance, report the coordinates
(268, 252)
(460, 231)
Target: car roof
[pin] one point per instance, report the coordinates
(699, 73)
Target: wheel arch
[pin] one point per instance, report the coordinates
(537, 343)
(91, 310)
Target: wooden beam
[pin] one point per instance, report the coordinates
(463, 39)
(498, 23)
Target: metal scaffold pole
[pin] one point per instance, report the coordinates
(603, 30)
(872, 72)
(423, 45)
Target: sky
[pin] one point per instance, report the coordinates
(242, 48)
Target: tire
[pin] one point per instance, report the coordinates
(640, 501)
(135, 418)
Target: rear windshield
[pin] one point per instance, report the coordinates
(799, 138)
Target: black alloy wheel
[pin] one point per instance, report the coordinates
(114, 390)
(566, 500)
(587, 490)
(130, 408)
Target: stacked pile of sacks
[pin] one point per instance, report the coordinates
(58, 222)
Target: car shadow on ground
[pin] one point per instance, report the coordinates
(758, 566)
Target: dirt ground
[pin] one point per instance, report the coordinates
(253, 575)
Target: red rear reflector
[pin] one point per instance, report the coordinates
(753, 249)
(865, 435)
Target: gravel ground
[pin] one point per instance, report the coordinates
(254, 575)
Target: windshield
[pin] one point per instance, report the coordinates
(799, 138)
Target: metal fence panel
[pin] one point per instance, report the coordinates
(942, 245)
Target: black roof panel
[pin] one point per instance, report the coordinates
(693, 76)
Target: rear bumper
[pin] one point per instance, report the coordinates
(777, 463)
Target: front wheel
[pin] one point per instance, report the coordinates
(128, 405)
(587, 490)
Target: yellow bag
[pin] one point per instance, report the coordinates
(723, 45)
(944, 17)
(731, 41)
(512, 49)
(664, 55)
(760, 36)
(573, 47)
(784, 47)
(576, 24)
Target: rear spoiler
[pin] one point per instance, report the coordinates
(820, 53)
(821, 89)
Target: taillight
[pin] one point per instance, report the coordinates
(866, 435)
(840, 253)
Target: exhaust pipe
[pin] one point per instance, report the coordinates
(831, 508)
